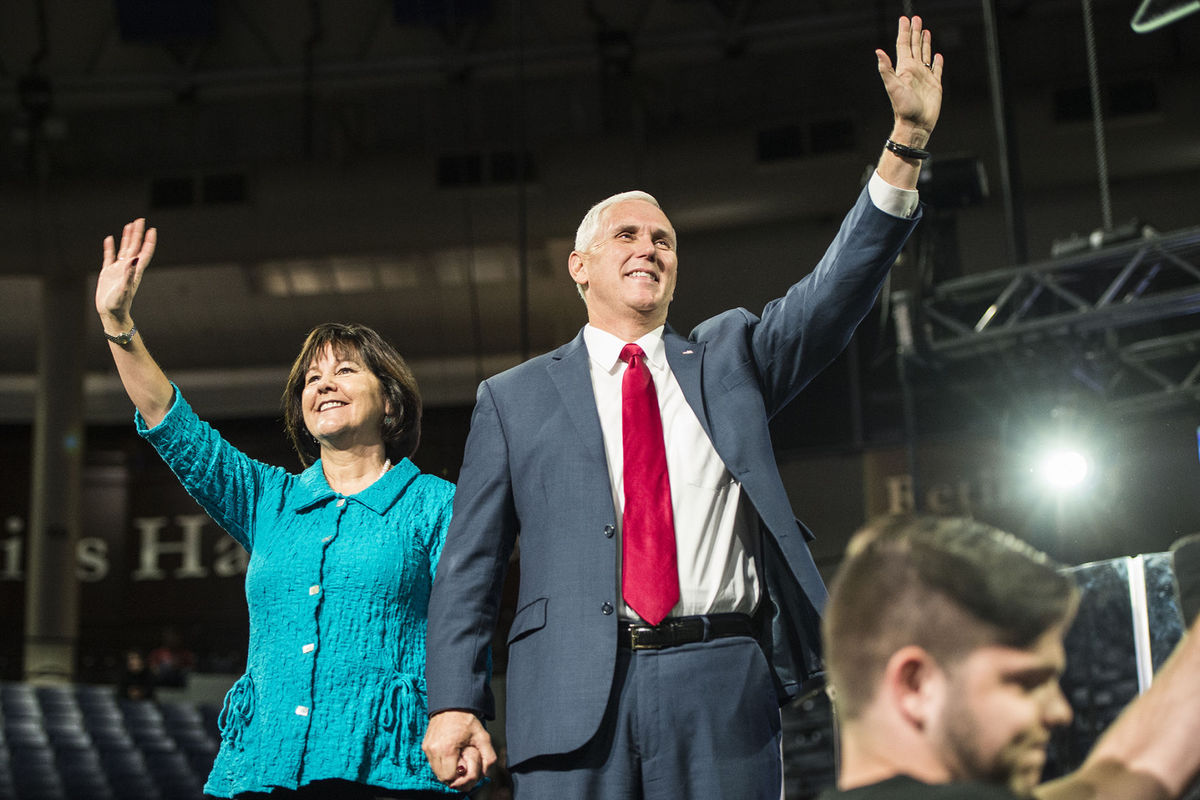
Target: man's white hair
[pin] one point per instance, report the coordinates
(589, 227)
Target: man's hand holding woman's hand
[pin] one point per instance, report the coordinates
(459, 749)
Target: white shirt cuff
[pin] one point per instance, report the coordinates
(892, 199)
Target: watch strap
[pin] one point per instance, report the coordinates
(121, 339)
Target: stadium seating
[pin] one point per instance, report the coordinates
(85, 743)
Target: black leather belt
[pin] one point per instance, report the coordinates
(675, 631)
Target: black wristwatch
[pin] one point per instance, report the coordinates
(121, 339)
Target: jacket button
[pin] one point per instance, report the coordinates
(609, 530)
(606, 609)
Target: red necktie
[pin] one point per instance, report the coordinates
(649, 574)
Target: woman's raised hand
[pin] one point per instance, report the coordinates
(121, 272)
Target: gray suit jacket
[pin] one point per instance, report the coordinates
(535, 466)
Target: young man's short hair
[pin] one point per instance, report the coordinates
(948, 585)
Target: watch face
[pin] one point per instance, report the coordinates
(121, 338)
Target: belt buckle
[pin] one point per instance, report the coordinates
(634, 644)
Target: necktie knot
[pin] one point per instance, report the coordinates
(631, 351)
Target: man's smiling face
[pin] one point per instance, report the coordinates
(630, 268)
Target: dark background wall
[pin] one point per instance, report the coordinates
(421, 167)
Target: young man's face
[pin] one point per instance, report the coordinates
(1001, 706)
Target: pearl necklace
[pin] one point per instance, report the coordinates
(387, 464)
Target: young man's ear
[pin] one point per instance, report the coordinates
(914, 684)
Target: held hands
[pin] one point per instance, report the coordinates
(458, 748)
(914, 85)
(121, 272)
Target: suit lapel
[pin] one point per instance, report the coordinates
(570, 371)
(569, 368)
(685, 358)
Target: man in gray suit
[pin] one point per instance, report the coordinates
(606, 698)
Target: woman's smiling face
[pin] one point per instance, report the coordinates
(342, 400)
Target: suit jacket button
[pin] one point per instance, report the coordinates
(606, 609)
(609, 530)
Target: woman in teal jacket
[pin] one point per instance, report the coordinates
(342, 556)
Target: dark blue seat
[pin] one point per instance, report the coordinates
(124, 763)
(24, 732)
(34, 775)
(180, 715)
(137, 787)
(56, 699)
(140, 712)
(87, 695)
(195, 740)
(68, 737)
(83, 774)
(101, 714)
(18, 701)
(112, 739)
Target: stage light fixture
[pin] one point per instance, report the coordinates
(1064, 468)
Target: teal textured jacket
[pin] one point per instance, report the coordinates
(337, 589)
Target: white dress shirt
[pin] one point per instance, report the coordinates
(716, 540)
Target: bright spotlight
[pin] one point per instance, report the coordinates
(1065, 469)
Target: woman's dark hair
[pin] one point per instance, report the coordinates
(401, 428)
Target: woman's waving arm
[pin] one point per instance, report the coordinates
(120, 274)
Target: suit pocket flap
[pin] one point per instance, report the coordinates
(528, 619)
(738, 375)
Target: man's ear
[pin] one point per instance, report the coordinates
(914, 684)
(577, 267)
